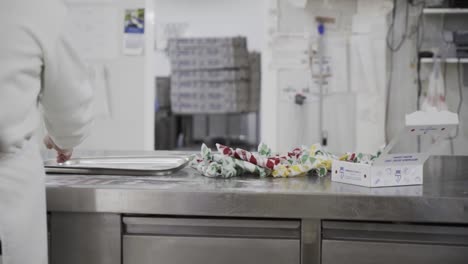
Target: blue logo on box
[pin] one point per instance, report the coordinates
(342, 172)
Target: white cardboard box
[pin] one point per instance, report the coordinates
(398, 169)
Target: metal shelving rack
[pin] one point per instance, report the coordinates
(443, 11)
(447, 60)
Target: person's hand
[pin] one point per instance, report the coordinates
(62, 154)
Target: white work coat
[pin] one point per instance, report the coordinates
(38, 66)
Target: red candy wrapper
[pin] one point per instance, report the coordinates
(248, 156)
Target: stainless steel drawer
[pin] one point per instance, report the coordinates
(213, 227)
(375, 243)
(210, 241)
(354, 252)
(208, 250)
(77, 238)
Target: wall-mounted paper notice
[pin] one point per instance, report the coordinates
(134, 30)
(290, 52)
(93, 29)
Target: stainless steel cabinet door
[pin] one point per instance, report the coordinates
(352, 252)
(208, 250)
(79, 238)
(210, 241)
(390, 243)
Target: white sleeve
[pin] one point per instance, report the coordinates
(66, 93)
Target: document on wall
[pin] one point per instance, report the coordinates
(337, 49)
(290, 52)
(134, 32)
(93, 30)
(322, 71)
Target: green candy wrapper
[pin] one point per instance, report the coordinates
(264, 150)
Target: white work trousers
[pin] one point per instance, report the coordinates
(23, 228)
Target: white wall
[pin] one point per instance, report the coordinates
(212, 18)
(130, 124)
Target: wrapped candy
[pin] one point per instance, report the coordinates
(254, 158)
(298, 162)
(264, 150)
(360, 157)
(227, 151)
(302, 161)
(218, 165)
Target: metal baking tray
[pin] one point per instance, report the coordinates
(130, 165)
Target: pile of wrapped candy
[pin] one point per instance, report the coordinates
(230, 162)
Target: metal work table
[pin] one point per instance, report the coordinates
(443, 198)
(306, 220)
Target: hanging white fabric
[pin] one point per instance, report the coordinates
(367, 61)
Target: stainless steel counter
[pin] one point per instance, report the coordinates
(443, 198)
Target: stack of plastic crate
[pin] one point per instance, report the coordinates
(255, 81)
(211, 75)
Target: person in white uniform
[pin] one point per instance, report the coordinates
(40, 72)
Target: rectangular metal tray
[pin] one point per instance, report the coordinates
(159, 165)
